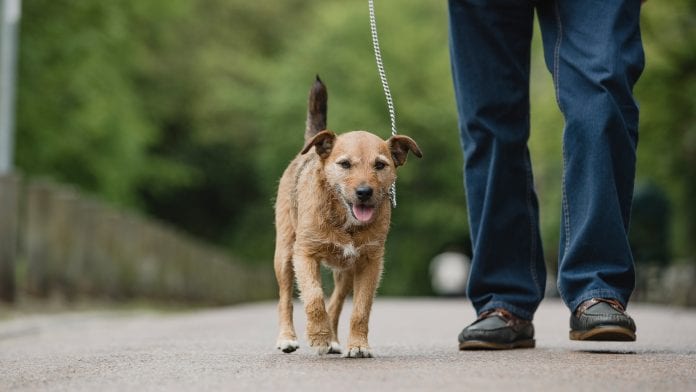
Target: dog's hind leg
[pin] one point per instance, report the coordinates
(287, 339)
(343, 284)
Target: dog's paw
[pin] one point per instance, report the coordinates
(320, 346)
(287, 346)
(358, 352)
(321, 343)
(321, 349)
(335, 348)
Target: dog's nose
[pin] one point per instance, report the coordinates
(363, 193)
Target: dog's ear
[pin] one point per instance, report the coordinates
(400, 145)
(323, 141)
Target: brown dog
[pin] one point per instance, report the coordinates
(333, 206)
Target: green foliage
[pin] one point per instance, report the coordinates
(80, 115)
(190, 111)
(667, 93)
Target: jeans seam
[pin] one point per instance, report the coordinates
(557, 54)
(533, 241)
(564, 202)
(556, 76)
(566, 209)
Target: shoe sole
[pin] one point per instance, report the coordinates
(605, 333)
(483, 345)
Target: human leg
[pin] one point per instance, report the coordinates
(594, 51)
(490, 53)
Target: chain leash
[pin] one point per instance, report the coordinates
(385, 85)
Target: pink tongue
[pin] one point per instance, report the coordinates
(363, 213)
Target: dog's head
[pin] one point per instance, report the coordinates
(361, 167)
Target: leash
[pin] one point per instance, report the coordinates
(385, 85)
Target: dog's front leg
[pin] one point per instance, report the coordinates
(343, 284)
(307, 271)
(366, 280)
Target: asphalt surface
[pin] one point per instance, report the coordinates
(414, 341)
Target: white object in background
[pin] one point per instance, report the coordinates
(449, 272)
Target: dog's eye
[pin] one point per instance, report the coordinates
(345, 164)
(379, 165)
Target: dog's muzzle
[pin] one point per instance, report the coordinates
(363, 210)
(364, 193)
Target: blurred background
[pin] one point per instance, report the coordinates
(150, 135)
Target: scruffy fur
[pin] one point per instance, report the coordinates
(333, 207)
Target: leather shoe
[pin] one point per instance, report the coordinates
(497, 329)
(602, 319)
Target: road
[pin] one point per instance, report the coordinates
(414, 341)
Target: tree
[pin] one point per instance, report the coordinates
(190, 111)
(667, 92)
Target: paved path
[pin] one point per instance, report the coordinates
(414, 340)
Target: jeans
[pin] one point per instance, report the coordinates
(594, 52)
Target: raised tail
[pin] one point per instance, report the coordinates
(316, 110)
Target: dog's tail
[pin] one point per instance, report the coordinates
(316, 110)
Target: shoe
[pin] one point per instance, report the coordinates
(497, 329)
(602, 319)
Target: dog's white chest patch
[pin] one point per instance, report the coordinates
(349, 251)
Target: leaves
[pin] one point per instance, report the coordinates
(190, 111)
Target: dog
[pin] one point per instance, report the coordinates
(333, 207)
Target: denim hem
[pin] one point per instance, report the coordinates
(519, 312)
(597, 293)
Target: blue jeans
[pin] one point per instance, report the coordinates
(594, 51)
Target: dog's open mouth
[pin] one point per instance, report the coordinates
(362, 212)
